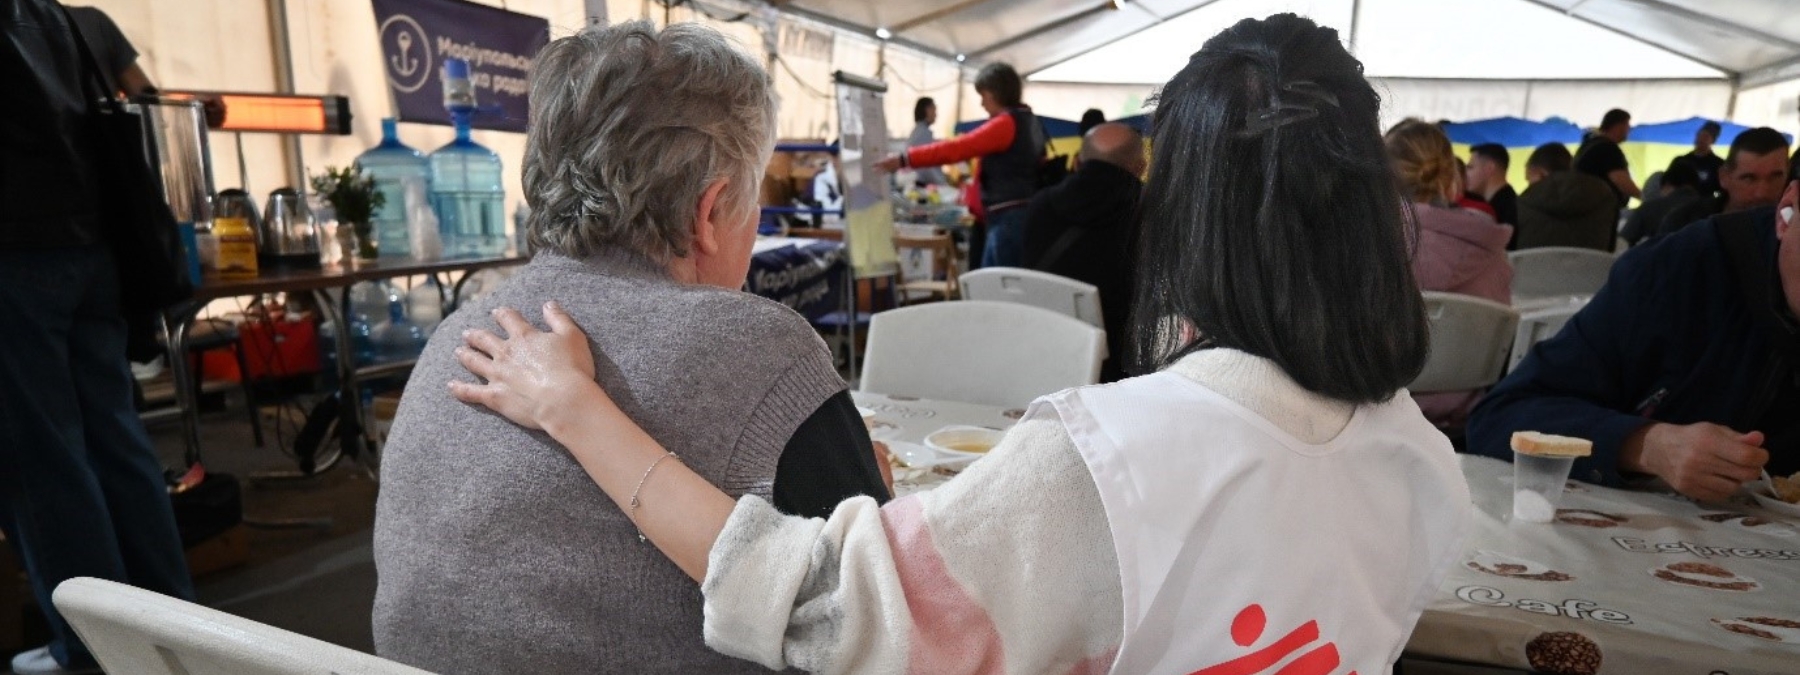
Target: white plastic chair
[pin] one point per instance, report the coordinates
(1056, 293)
(1537, 326)
(973, 351)
(137, 632)
(1557, 271)
(1470, 337)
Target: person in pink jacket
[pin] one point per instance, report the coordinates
(1458, 250)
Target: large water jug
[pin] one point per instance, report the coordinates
(391, 164)
(398, 338)
(466, 188)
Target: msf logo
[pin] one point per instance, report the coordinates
(407, 53)
(1247, 629)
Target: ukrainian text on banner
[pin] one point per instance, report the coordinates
(416, 37)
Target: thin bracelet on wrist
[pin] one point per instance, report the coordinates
(640, 488)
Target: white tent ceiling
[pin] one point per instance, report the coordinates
(1754, 42)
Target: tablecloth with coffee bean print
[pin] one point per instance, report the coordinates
(1622, 582)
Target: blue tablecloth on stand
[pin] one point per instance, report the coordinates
(805, 274)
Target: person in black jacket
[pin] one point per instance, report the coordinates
(81, 491)
(1683, 367)
(1485, 178)
(1753, 175)
(1680, 188)
(1083, 227)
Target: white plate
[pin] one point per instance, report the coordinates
(1765, 495)
(920, 457)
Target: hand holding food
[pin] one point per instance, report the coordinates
(1704, 461)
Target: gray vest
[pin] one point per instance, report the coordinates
(496, 554)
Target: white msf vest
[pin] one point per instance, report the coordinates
(1243, 550)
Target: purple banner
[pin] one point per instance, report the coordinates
(416, 37)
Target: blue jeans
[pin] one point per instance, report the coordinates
(82, 493)
(1005, 239)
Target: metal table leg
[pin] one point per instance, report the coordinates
(351, 436)
(176, 325)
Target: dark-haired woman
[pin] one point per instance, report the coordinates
(1266, 486)
(1010, 146)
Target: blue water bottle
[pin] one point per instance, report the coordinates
(466, 188)
(391, 163)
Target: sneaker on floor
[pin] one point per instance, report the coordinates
(39, 662)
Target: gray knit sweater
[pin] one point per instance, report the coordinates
(496, 554)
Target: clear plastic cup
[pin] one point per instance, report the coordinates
(1538, 484)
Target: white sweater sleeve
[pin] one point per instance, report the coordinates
(1007, 568)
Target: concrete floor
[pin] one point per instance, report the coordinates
(316, 581)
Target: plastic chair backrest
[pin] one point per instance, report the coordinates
(131, 630)
(1470, 337)
(1554, 271)
(1056, 293)
(990, 353)
(1537, 326)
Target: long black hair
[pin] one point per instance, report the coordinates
(1271, 223)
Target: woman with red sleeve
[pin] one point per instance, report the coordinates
(1010, 145)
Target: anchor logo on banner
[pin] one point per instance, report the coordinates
(408, 53)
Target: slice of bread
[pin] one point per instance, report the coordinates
(1547, 445)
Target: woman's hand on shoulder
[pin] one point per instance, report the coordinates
(530, 376)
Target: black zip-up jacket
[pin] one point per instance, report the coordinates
(1009, 178)
(1684, 331)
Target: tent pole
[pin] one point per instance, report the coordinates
(1737, 85)
(284, 84)
(1355, 21)
(960, 73)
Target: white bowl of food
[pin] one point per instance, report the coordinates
(963, 443)
(1783, 498)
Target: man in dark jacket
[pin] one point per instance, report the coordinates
(1486, 178)
(1680, 187)
(1754, 172)
(1083, 228)
(1703, 160)
(1601, 157)
(1682, 367)
(81, 491)
(1564, 207)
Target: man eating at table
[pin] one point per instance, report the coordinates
(1684, 367)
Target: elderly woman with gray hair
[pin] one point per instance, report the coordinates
(495, 552)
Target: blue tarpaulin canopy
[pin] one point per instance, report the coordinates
(1513, 132)
(1681, 132)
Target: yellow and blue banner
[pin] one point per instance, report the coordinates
(1649, 148)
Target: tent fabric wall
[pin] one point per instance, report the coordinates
(1436, 99)
(1776, 105)
(226, 45)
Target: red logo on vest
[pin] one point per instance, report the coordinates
(1248, 627)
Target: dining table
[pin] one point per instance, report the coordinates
(329, 285)
(901, 421)
(1620, 581)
